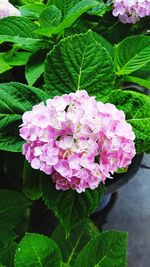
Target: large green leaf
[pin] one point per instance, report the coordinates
(69, 206)
(15, 99)
(132, 54)
(107, 249)
(79, 62)
(73, 14)
(71, 246)
(37, 250)
(17, 26)
(137, 109)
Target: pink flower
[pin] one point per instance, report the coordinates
(78, 141)
(7, 9)
(130, 11)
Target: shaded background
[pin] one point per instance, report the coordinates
(131, 213)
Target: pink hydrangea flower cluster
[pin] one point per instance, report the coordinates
(130, 11)
(77, 140)
(7, 9)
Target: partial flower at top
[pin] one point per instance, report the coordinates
(78, 141)
(130, 11)
(7, 9)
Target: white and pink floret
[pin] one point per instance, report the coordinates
(76, 140)
(7, 9)
(130, 11)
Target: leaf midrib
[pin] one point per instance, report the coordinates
(80, 67)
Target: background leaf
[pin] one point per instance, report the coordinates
(137, 109)
(35, 66)
(73, 14)
(50, 17)
(63, 5)
(17, 26)
(132, 54)
(31, 182)
(15, 99)
(32, 11)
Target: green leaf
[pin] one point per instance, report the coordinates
(13, 206)
(35, 66)
(32, 11)
(139, 81)
(104, 43)
(63, 5)
(37, 250)
(29, 44)
(69, 206)
(73, 14)
(31, 182)
(26, 2)
(15, 99)
(50, 17)
(100, 9)
(137, 109)
(9, 133)
(17, 26)
(17, 58)
(71, 246)
(132, 54)
(77, 63)
(4, 66)
(7, 253)
(107, 249)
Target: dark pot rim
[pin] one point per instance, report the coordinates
(119, 180)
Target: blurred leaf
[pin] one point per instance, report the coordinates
(35, 66)
(31, 182)
(4, 66)
(50, 17)
(17, 58)
(32, 11)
